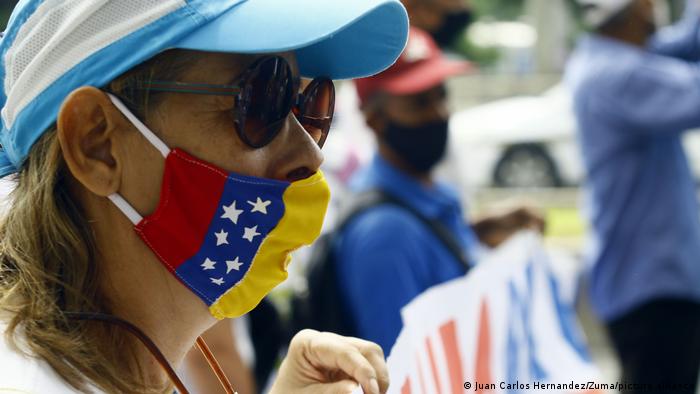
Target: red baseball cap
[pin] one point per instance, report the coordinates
(422, 65)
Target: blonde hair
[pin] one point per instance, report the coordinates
(48, 263)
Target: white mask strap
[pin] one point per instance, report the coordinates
(117, 199)
(150, 136)
(126, 208)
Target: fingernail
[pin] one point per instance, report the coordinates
(374, 386)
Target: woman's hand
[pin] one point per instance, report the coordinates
(326, 363)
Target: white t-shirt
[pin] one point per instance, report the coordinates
(28, 375)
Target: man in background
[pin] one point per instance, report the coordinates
(386, 256)
(635, 92)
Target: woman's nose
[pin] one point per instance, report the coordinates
(298, 154)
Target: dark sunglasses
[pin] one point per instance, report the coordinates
(266, 92)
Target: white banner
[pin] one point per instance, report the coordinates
(505, 327)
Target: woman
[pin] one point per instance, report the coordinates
(166, 166)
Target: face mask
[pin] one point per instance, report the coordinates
(227, 237)
(452, 26)
(420, 147)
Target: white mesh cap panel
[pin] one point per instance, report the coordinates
(62, 33)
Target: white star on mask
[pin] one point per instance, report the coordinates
(250, 233)
(230, 212)
(221, 238)
(218, 282)
(260, 206)
(208, 264)
(233, 265)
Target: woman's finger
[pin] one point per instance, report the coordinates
(332, 352)
(341, 386)
(375, 355)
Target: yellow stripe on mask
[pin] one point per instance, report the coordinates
(305, 205)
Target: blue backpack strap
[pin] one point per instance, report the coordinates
(375, 197)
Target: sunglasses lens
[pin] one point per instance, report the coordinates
(266, 101)
(316, 111)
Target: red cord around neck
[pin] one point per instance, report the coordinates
(153, 349)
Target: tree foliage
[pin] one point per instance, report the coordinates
(499, 9)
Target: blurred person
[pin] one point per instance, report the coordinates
(352, 146)
(445, 20)
(635, 92)
(386, 255)
(166, 164)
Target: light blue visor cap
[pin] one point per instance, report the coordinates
(51, 47)
(336, 39)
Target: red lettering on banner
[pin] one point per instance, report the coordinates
(406, 388)
(483, 350)
(433, 367)
(448, 333)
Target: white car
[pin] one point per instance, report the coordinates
(527, 141)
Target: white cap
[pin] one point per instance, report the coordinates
(597, 12)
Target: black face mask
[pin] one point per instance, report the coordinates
(420, 147)
(452, 26)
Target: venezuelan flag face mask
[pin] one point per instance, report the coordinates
(225, 236)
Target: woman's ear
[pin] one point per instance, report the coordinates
(87, 125)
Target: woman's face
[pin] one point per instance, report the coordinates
(106, 154)
(203, 125)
